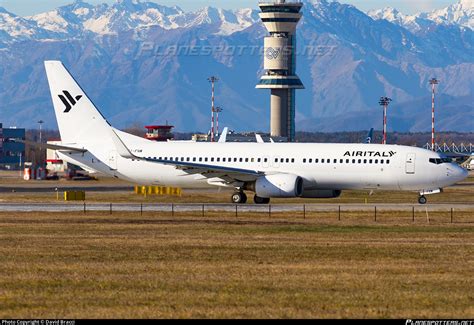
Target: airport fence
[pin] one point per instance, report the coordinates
(317, 212)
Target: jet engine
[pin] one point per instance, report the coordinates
(277, 186)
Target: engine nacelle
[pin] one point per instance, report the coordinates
(321, 194)
(278, 186)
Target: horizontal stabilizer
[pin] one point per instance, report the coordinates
(52, 146)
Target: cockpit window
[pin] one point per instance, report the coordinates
(439, 161)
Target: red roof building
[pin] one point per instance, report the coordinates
(159, 133)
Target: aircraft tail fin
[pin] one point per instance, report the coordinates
(79, 121)
(370, 136)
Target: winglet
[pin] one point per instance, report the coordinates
(223, 137)
(259, 138)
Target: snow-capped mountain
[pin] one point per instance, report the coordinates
(461, 13)
(81, 17)
(458, 14)
(145, 63)
(13, 27)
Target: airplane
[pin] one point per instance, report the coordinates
(370, 136)
(269, 170)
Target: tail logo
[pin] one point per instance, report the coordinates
(69, 101)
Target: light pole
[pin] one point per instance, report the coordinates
(433, 83)
(213, 81)
(384, 102)
(40, 122)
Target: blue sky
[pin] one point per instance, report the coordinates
(29, 7)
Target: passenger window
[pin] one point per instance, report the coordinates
(246, 160)
(218, 159)
(370, 161)
(359, 161)
(310, 161)
(187, 159)
(365, 161)
(259, 160)
(194, 158)
(376, 161)
(388, 161)
(348, 161)
(316, 161)
(241, 160)
(353, 161)
(200, 158)
(335, 161)
(212, 159)
(304, 161)
(265, 160)
(381, 161)
(223, 159)
(287, 160)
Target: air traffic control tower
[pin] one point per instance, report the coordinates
(280, 18)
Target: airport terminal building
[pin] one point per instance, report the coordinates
(12, 154)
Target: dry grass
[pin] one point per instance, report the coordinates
(151, 266)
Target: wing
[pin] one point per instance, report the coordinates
(228, 175)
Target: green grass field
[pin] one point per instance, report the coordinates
(151, 266)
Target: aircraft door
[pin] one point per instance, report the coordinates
(410, 163)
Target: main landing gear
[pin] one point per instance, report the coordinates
(241, 198)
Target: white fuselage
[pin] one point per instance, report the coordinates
(322, 166)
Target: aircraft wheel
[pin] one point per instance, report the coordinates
(239, 198)
(261, 200)
(422, 199)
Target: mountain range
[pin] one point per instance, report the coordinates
(143, 63)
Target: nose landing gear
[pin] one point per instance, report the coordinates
(422, 199)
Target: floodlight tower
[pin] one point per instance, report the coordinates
(280, 18)
(384, 102)
(433, 83)
(213, 81)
